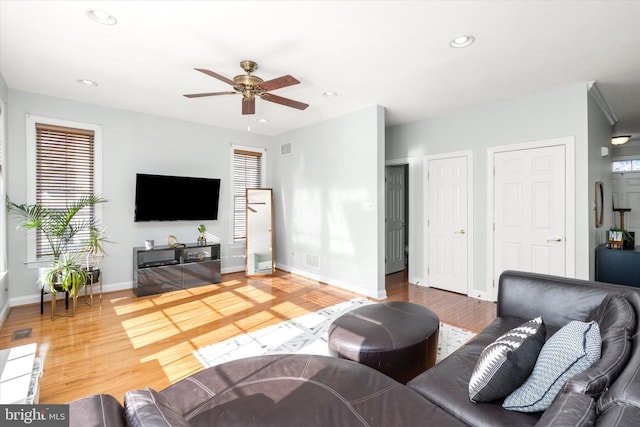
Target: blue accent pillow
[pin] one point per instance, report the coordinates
(571, 350)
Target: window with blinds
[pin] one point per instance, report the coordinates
(247, 173)
(64, 173)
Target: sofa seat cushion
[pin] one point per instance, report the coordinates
(617, 322)
(98, 410)
(299, 390)
(446, 384)
(507, 362)
(573, 349)
(147, 407)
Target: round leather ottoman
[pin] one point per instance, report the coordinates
(399, 339)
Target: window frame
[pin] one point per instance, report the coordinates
(31, 121)
(3, 192)
(263, 175)
(625, 159)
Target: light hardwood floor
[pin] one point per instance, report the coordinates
(127, 342)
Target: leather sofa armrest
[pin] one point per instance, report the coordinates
(570, 409)
(558, 300)
(98, 410)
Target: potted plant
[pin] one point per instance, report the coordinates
(65, 274)
(619, 236)
(202, 241)
(62, 230)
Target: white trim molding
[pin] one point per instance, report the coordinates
(598, 97)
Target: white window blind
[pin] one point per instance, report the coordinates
(247, 173)
(64, 173)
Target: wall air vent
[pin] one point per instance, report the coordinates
(286, 148)
(312, 261)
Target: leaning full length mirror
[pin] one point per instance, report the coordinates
(259, 248)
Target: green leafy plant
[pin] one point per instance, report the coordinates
(625, 234)
(65, 274)
(202, 228)
(60, 228)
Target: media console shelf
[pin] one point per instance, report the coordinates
(165, 269)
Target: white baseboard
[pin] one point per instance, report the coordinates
(330, 281)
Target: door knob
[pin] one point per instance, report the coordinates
(555, 239)
(461, 231)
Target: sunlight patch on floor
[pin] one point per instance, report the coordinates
(149, 328)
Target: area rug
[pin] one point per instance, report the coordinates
(307, 334)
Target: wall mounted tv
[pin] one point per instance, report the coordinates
(176, 198)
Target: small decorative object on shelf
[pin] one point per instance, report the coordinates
(202, 241)
(172, 241)
(616, 237)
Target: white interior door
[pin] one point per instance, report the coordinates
(395, 219)
(447, 222)
(529, 211)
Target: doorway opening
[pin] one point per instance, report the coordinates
(396, 218)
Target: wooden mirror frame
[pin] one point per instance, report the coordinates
(599, 205)
(267, 196)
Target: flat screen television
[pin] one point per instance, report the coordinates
(176, 198)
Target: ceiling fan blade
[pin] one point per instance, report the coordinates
(248, 106)
(216, 75)
(200, 95)
(277, 83)
(283, 101)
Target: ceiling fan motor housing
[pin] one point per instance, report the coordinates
(246, 84)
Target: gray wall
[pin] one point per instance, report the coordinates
(132, 142)
(329, 202)
(599, 170)
(548, 115)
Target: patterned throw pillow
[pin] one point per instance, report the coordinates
(507, 362)
(571, 350)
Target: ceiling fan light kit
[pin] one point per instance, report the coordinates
(620, 139)
(250, 86)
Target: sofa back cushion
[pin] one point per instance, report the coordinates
(617, 320)
(559, 300)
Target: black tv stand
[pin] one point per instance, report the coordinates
(165, 268)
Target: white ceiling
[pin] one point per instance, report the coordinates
(391, 53)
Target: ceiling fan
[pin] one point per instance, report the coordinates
(250, 86)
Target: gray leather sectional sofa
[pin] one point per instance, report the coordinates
(303, 390)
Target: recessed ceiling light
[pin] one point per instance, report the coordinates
(101, 17)
(330, 94)
(88, 83)
(263, 120)
(462, 41)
